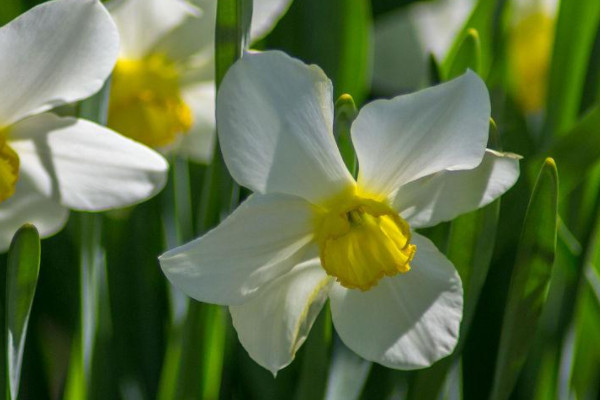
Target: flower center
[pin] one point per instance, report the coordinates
(361, 240)
(146, 103)
(9, 169)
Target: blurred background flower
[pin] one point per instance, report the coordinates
(163, 89)
(49, 164)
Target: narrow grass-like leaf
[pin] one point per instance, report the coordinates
(529, 282)
(92, 264)
(481, 20)
(313, 375)
(575, 33)
(335, 35)
(345, 113)
(232, 34)
(21, 280)
(203, 336)
(468, 56)
(578, 151)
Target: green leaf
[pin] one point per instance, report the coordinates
(21, 280)
(345, 113)
(231, 35)
(468, 56)
(203, 334)
(9, 9)
(335, 35)
(529, 282)
(315, 360)
(482, 21)
(576, 30)
(577, 151)
(348, 373)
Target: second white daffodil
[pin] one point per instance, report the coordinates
(56, 53)
(311, 232)
(163, 89)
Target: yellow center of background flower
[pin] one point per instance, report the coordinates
(9, 169)
(530, 48)
(361, 240)
(146, 103)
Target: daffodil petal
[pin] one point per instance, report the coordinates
(273, 324)
(28, 205)
(85, 166)
(265, 14)
(275, 122)
(192, 41)
(445, 195)
(199, 142)
(56, 53)
(408, 321)
(264, 238)
(403, 139)
(142, 23)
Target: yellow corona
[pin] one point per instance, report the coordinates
(361, 240)
(145, 101)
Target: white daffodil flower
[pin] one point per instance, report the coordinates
(56, 53)
(163, 89)
(311, 232)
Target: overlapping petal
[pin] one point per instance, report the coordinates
(275, 122)
(265, 237)
(142, 23)
(85, 166)
(408, 321)
(445, 195)
(28, 205)
(47, 58)
(441, 128)
(274, 324)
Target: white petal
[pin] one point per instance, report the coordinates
(199, 142)
(275, 122)
(400, 140)
(85, 166)
(142, 23)
(273, 325)
(56, 53)
(407, 321)
(447, 194)
(264, 238)
(265, 14)
(192, 40)
(28, 205)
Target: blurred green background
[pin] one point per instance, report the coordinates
(532, 277)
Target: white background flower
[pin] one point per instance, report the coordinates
(184, 34)
(59, 52)
(423, 154)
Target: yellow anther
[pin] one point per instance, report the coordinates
(9, 169)
(361, 240)
(146, 103)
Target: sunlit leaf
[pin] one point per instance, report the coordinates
(21, 280)
(576, 29)
(529, 282)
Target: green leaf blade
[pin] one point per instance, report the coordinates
(21, 282)
(529, 282)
